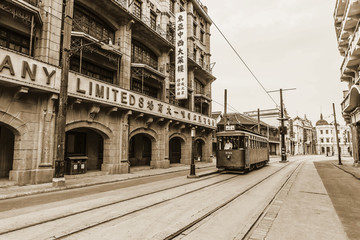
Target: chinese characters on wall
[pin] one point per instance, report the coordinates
(181, 91)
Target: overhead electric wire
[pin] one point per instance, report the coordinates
(228, 42)
(242, 60)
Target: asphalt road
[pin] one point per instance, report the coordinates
(344, 192)
(44, 198)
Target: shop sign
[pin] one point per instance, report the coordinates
(25, 71)
(17, 68)
(181, 89)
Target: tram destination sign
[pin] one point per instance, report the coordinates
(21, 70)
(229, 127)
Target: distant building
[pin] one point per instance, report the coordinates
(303, 141)
(346, 19)
(326, 138)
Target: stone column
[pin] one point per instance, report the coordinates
(124, 143)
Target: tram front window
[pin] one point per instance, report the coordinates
(227, 143)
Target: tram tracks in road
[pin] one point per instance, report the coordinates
(195, 223)
(124, 200)
(284, 188)
(87, 226)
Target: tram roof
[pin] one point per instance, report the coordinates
(239, 133)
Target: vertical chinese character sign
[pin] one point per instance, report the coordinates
(181, 91)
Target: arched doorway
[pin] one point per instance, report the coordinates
(88, 143)
(6, 151)
(175, 150)
(322, 150)
(198, 149)
(140, 150)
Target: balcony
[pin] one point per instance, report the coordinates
(23, 10)
(202, 68)
(33, 2)
(351, 100)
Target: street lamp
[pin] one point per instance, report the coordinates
(192, 164)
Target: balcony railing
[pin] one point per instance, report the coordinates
(163, 33)
(200, 62)
(33, 2)
(123, 3)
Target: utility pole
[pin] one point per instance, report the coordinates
(283, 147)
(192, 162)
(258, 116)
(59, 179)
(225, 108)
(282, 127)
(337, 137)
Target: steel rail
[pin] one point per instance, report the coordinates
(208, 214)
(263, 212)
(119, 201)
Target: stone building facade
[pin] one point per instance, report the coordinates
(121, 110)
(304, 136)
(346, 21)
(326, 138)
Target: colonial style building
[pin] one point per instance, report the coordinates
(303, 136)
(346, 18)
(326, 138)
(121, 108)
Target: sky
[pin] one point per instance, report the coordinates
(286, 44)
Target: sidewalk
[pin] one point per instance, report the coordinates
(9, 190)
(305, 209)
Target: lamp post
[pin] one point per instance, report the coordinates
(192, 163)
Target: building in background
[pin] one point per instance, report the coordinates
(326, 138)
(346, 21)
(121, 111)
(304, 138)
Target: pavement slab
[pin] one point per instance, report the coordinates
(307, 211)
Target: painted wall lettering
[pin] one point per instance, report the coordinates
(78, 87)
(99, 91)
(6, 63)
(49, 76)
(26, 69)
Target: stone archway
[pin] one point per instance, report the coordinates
(91, 140)
(18, 129)
(138, 154)
(140, 150)
(199, 149)
(7, 142)
(176, 150)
